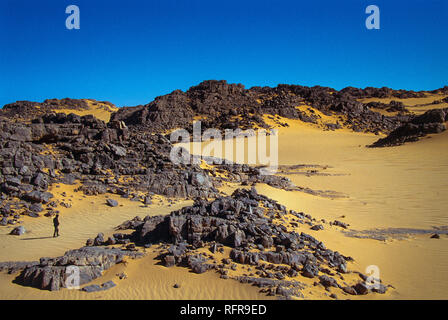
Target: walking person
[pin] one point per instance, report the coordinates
(56, 226)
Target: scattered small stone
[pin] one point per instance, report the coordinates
(122, 276)
(361, 288)
(169, 261)
(350, 290)
(95, 288)
(18, 231)
(112, 202)
(340, 224)
(317, 227)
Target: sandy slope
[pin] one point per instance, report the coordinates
(99, 110)
(401, 187)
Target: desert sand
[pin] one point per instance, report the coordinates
(99, 110)
(398, 187)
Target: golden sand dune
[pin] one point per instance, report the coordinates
(98, 109)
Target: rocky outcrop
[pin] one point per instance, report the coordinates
(60, 148)
(53, 273)
(384, 92)
(29, 110)
(95, 288)
(98, 155)
(432, 121)
(230, 106)
(248, 223)
(13, 267)
(393, 106)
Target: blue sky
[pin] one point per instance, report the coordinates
(129, 52)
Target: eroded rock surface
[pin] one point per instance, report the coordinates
(431, 122)
(53, 273)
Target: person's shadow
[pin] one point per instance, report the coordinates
(40, 238)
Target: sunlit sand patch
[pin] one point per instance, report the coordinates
(321, 120)
(99, 110)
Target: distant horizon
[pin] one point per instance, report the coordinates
(130, 53)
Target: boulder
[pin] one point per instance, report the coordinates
(99, 240)
(51, 274)
(169, 261)
(38, 196)
(36, 208)
(361, 288)
(111, 202)
(18, 231)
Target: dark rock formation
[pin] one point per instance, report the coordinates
(28, 110)
(432, 121)
(393, 106)
(51, 273)
(219, 103)
(18, 231)
(13, 267)
(112, 202)
(88, 150)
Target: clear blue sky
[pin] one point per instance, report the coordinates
(129, 52)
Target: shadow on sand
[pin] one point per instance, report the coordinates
(40, 238)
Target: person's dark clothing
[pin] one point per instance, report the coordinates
(56, 226)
